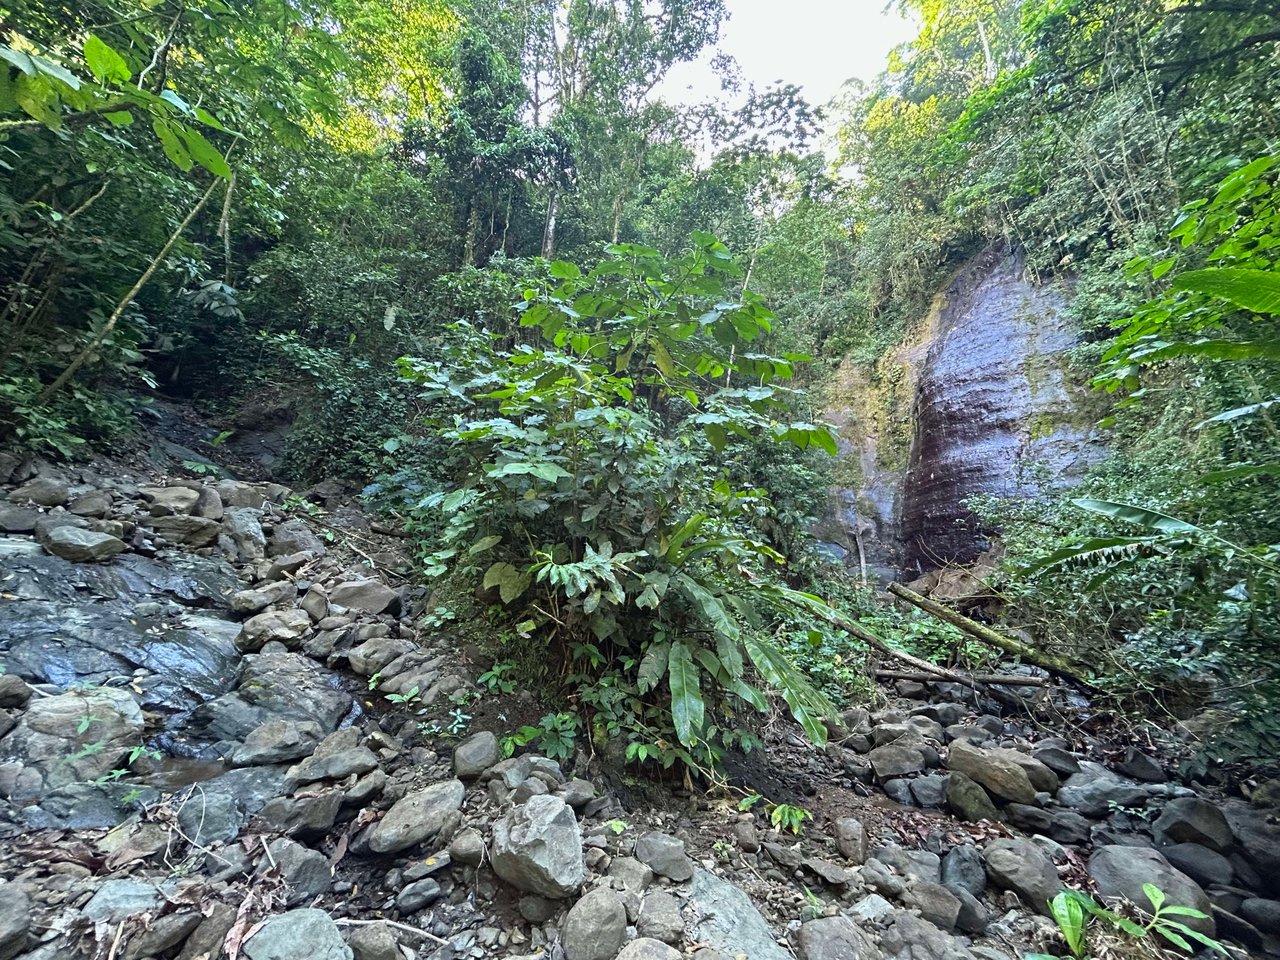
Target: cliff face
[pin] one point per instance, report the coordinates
(978, 401)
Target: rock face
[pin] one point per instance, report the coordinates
(537, 847)
(298, 935)
(1121, 871)
(418, 816)
(724, 918)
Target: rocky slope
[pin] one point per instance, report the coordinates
(198, 758)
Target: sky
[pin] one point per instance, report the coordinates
(817, 44)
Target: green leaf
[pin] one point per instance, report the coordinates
(1177, 911)
(808, 706)
(1254, 290)
(173, 147)
(119, 118)
(652, 666)
(483, 544)
(562, 270)
(1154, 894)
(106, 65)
(511, 582)
(1141, 516)
(1096, 548)
(687, 708)
(1236, 413)
(203, 152)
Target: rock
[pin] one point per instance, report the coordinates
(81, 546)
(207, 817)
(259, 598)
(935, 902)
(828, 872)
(14, 691)
(310, 813)
(163, 934)
(899, 791)
(282, 626)
(1204, 866)
(537, 909)
(476, 754)
(596, 927)
(1263, 914)
(646, 949)
(169, 501)
(1139, 766)
(896, 760)
(1058, 759)
(420, 815)
(285, 567)
(315, 602)
(833, 938)
(1021, 866)
(374, 655)
(1095, 790)
(968, 799)
(660, 918)
(973, 917)
(916, 938)
(1064, 826)
(285, 686)
(665, 855)
(15, 920)
(16, 519)
(1193, 820)
(95, 503)
(305, 871)
(186, 530)
(298, 935)
(415, 896)
(244, 531)
(376, 941)
(45, 491)
(996, 770)
(723, 917)
(468, 847)
(208, 504)
(537, 847)
(116, 900)
(277, 741)
(631, 873)
(1119, 871)
(962, 869)
(293, 537)
(335, 765)
(577, 792)
(237, 493)
(919, 864)
(871, 907)
(371, 596)
(206, 942)
(851, 839)
(1257, 834)
(930, 791)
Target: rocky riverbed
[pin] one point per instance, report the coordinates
(198, 759)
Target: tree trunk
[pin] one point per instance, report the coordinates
(549, 227)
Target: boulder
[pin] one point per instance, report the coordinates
(119, 899)
(1095, 790)
(1193, 820)
(723, 917)
(962, 869)
(1263, 914)
(186, 530)
(294, 537)
(369, 595)
(664, 854)
(647, 949)
(1140, 766)
(283, 626)
(15, 920)
(259, 598)
(45, 491)
(207, 817)
(374, 941)
(968, 800)
(244, 532)
(305, 871)
(417, 895)
(660, 917)
(476, 754)
(896, 760)
(298, 935)
(170, 501)
(935, 902)
(834, 938)
(1204, 866)
(537, 847)
(1257, 833)
(596, 927)
(272, 686)
(81, 546)
(851, 839)
(420, 815)
(1021, 866)
(277, 741)
(18, 519)
(1120, 871)
(1003, 774)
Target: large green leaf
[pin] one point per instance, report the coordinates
(687, 709)
(203, 152)
(652, 666)
(510, 581)
(106, 65)
(808, 706)
(1237, 412)
(1093, 549)
(1141, 516)
(1255, 290)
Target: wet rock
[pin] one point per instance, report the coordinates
(1193, 820)
(334, 764)
(186, 530)
(282, 626)
(369, 595)
(45, 491)
(723, 917)
(968, 799)
(116, 900)
(207, 817)
(272, 686)
(1121, 871)
(298, 935)
(896, 760)
(664, 854)
(1204, 866)
(596, 927)
(14, 691)
(277, 741)
(16, 519)
(851, 839)
(1021, 866)
(294, 537)
(962, 869)
(996, 770)
(419, 816)
(834, 938)
(647, 949)
(537, 847)
(660, 918)
(376, 941)
(415, 896)
(259, 598)
(81, 546)
(15, 920)
(476, 754)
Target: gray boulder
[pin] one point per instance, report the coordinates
(834, 938)
(45, 491)
(962, 869)
(1120, 871)
(647, 949)
(207, 817)
(17, 519)
(851, 839)
(186, 530)
(537, 847)
(935, 902)
(1193, 820)
(896, 760)
(664, 855)
(305, 871)
(596, 927)
(420, 815)
(999, 771)
(298, 935)
(1206, 867)
(968, 800)
(79, 545)
(660, 917)
(244, 533)
(292, 537)
(374, 941)
(1095, 790)
(475, 755)
(259, 598)
(371, 596)
(1021, 866)
(1257, 833)
(277, 741)
(118, 899)
(723, 917)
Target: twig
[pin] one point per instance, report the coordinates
(347, 922)
(115, 944)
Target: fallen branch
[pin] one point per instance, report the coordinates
(1003, 679)
(1029, 654)
(418, 931)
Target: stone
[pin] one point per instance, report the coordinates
(909, 936)
(828, 872)
(1120, 871)
(962, 869)
(259, 598)
(1021, 866)
(595, 928)
(1263, 914)
(833, 938)
(244, 532)
(374, 941)
(935, 902)
(287, 566)
(851, 839)
(310, 814)
(1064, 826)
(664, 854)
(537, 909)
(186, 530)
(899, 791)
(305, 871)
(1206, 867)
(277, 741)
(537, 847)
(315, 602)
(420, 815)
(207, 817)
(896, 760)
(205, 943)
(1139, 766)
(169, 501)
(369, 595)
(298, 935)
(1193, 820)
(647, 949)
(116, 900)
(996, 770)
(1058, 759)
(1257, 834)
(468, 847)
(237, 493)
(476, 754)
(660, 917)
(95, 503)
(919, 864)
(81, 546)
(282, 626)
(415, 896)
(930, 791)
(293, 537)
(972, 917)
(1095, 790)
(16, 519)
(336, 765)
(376, 655)
(723, 917)
(163, 934)
(968, 800)
(631, 873)
(45, 491)
(208, 504)
(14, 691)
(15, 920)
(871, 907)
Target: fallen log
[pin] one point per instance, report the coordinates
(1003, 679)
(1029, 654)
